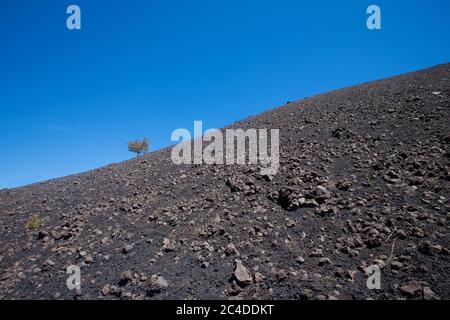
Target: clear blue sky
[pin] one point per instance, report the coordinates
(70, 100)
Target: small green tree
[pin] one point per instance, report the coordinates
(138, 146)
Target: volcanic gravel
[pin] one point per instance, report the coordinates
(363, 180)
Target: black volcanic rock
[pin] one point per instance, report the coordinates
(363, 179)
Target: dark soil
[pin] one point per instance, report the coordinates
(150, 229)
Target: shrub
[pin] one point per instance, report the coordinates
(138, 146)
(34, 222)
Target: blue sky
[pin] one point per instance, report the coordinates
(70, 100)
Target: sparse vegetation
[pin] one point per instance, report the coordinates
(138, 146)
(34, 222)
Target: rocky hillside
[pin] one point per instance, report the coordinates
(363, 179)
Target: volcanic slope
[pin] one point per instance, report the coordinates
(363, 180)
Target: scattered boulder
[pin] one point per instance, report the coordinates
(321, 193)
(156, 284)
(48, 265)
(168, 245)
(411, 289)
(242, 274)
(125, 277)
(127, 248)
